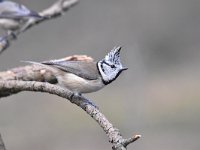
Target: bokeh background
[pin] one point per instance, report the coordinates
(158, 97)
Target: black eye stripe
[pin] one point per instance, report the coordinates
(106, 63)
(112, 66)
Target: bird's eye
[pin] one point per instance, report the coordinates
(112, 66)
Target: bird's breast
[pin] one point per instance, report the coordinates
(78, 84)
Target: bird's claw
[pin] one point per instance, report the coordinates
(89, 102)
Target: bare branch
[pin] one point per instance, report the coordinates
(13, 86)
(54, 11)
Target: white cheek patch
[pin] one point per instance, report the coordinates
(107, 72)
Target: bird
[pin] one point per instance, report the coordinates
(85, 76)
(13, 15)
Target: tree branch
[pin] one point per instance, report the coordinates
(13, 86)
(54, 11)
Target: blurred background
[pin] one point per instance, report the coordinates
(158, 97)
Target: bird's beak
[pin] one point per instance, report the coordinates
(125, 68)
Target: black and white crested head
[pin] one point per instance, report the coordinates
(110, 67)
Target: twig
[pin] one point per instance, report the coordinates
(13, 86)
(54, 11)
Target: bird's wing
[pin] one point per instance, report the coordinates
(87, 70)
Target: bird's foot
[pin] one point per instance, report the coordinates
(83, 101)
(89, 102)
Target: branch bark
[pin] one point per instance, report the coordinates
(115, 138)
(54, 11)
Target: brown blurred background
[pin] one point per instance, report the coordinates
(158, 97)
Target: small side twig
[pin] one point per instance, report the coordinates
(115, 138)
(54, 11)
